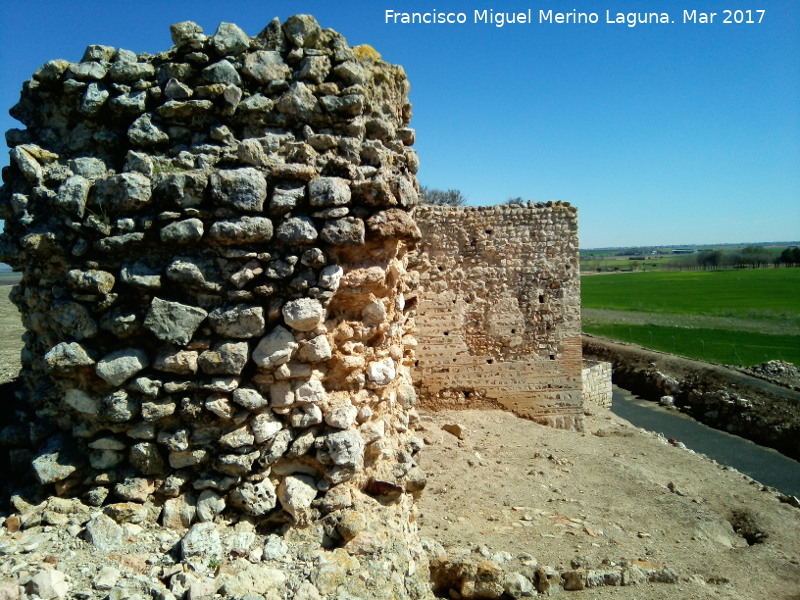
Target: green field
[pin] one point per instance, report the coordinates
(722, 346)
(741, 317)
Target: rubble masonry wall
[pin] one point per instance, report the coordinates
(498, 316)
(213, 245)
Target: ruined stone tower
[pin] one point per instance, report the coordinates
(213, 245)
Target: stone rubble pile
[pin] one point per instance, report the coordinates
(213, 244)
(62, 548)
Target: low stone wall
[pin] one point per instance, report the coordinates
(596, 377)
(713, 394)
(498, 317)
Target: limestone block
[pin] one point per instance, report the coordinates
(243, 230)
(229, 39)
(249, 398)
(225, 358)
(303, 314)
(244, 189)
(296, 493)
(347, 231)
(172, 321)
(183, 232)
(182, 362)
(297, 230)
(275, 349)
(222, 72)
(238, 322)
(265, 66)
(65, 357)
(120, 365)
(265, 426)
(255, 499)
(329, 191)
(103, 533)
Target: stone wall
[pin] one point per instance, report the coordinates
(498, 316)
(597, 389)
(213, 245)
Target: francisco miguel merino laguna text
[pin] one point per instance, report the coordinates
(499, 19)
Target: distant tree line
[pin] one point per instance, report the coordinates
(749, 257)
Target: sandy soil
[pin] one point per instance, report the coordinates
(613, 492)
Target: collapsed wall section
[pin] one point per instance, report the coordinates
(498, 316)
(213, 245)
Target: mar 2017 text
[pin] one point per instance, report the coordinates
(497, 18)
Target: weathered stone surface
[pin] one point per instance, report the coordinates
(222, 72)
(146, 458)
(229, 39)
(72, 195)
(296, 493)
(304, 314)
(297, 230)
(91, 281)
(302, 30)
(255, 499)
(329, 191)
(343, 448)
(183, 232)
(120, 365)
(238, 321)
(286, 197)
(81, 402)
(348, 231)
(305, 415)
(127, 72)
(146, 134)
(172, 321)
(244, 189)
(315, 350)
(275, 349)
(382, 372)
(103, 533)
(224, 358)
(182, 362)
(209, 505)
(123, 192)
(202, 546)
(311, 391)
(265, 66)
(187, 35)
(66, 357)
(48, 585)
(54, 463)
(330, 277)
(264, 426)
(299, 101)
(249, 398)
(393, 224)
(342, 416)
(244, 230)
(74, 319)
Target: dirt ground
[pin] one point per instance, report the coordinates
(613, 492)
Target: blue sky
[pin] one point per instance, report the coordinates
(672, 133)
